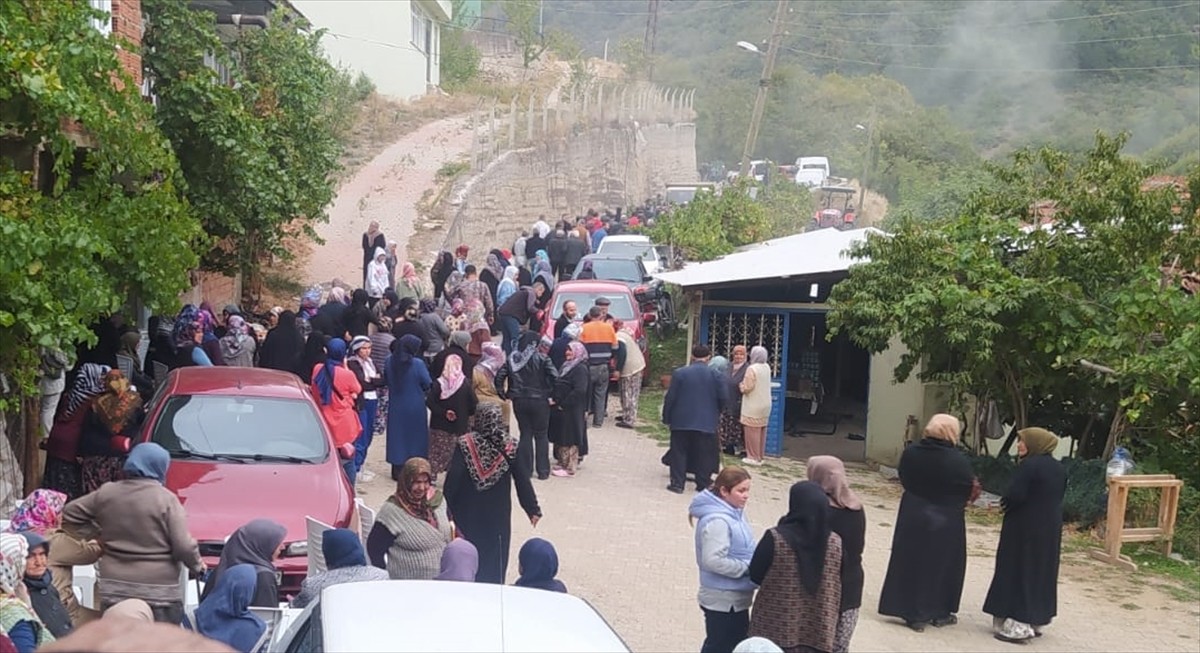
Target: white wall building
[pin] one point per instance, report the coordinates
(397, 43)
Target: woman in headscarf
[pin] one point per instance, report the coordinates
(345, 562)
(453, 285)
(558, 348)
(40, 513)
(440, 272)
(451, 400)
(17, 618)
(587, 270)
(408, 322)
(1023, 597)
(508, 285)
(145, 532)
(312, 355)
(209, 341)
(537, 563)
(568, 421)
(107, 434)
(456, 317)
(43, 594)
(493, 272)
(483, 379)
(730, 431)
(478, 490)
(409, 284)
(372, 240)
(756, 405)
(925, 573)
(407, 421)
(457, 345)
(188, 348)
(336, 391)
(257, 544)
(412, 527)
(162, 345)
(360, 316)
(130, 339)
(281, 350)
(847, 519)
(331, 317)
(460, 257)
(460, 562)
(527, 379)
(797, 567)
(63, 470)
(392, 261)
(377, 274)
(724, 544)
(362, 364)
(434, 328)
(225, 616)
(237, 345)
(310, 302)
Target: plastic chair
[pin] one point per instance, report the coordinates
(160, 373)
(125, 364)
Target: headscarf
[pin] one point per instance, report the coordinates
(452, 376)
(542, 257)
(207, 323)
(225, 616)
(492, 359)
(185, 333)
(428, 305)
(757, 645)
(456, 307)
(806, 529)
(511, 272)
(148, 460)
(453, 281)
(335, 351)
(830, 473)
(527, 346)
(718, 364)
(186, 319)
(421, 508)
(581, 355)
(758, 355)
(342, 547)
(1038, 441)
(539, 566)
(736, 366)
(462, 250)
(408, 272)
(494, 264)
(40, 512)
(943, 427)
(88, 383)
(485, 449)
(586, 270)
(544, 277)
(236, 324)
(309, 301)
(14, 549)
(337, 294)
(460, 561)
(131, 609)
(541, 228)
(129, 346)
(117, 406)
(573, 331)
(460, 339)
(254, 544)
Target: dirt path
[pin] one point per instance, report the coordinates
(387, 189)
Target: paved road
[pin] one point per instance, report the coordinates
(625, 545)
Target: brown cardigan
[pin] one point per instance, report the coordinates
(144, 532)
(66, 553)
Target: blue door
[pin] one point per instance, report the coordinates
(723, 328)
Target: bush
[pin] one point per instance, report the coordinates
(993, 473)
(1087, 491)
(363, 87)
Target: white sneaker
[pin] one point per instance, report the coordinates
(366, 476)
(751, 461)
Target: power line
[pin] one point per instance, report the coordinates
(952, 45)
(701, 5)
(991, 70)
(1041, 21)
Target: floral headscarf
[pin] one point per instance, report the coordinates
(492, 359)
(422, 508)
(117, 406)
(452, 376)
(185, 320)
(495, 265)
(456, 307)
(455, 280)
(207, 322)
(236, 325)
(40, 512)
(486, 449)
(581, 355)
(14, 549)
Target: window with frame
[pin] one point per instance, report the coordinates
(420, 28)
(104, 25)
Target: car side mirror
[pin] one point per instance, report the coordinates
(346, 451)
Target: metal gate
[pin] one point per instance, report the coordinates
(725, 328)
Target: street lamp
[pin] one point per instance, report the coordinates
(867, 156)
(749, 47)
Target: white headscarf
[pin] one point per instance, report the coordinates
(14, 549)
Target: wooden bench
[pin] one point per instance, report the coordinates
(1117, 534)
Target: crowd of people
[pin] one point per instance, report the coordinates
(417, 363)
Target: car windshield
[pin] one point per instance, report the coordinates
(630, 249)
(621, 308)
(681, 195)
(615, 269)
(204, 426)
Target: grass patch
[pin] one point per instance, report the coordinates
(1130, 606)
(666, 354)
(984, 517)
(1183, 579)
(650, 415)
(452, 170)
(279, 283)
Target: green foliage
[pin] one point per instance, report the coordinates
(713, 225)
(994, 472)
(523, 25)
(452, 169)
(109, 224)
(363, 87)
(1084, 500)
(460, 59)
(789, 208)
(258, 153)
(634, 58)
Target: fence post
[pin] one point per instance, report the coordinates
(587, 96)
(529, 118)
(512, 122)
(546, 115)
(493, 144)
(600, 104)
(624, 115)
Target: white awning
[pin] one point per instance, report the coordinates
(811, 253)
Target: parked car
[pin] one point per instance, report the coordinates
(812, 171)
(633, 245)
(427, 615)
(624, 307)
(248, 443)
(655, 303)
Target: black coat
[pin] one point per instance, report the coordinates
(568, 424)
(282, 349)
(575, 249)
(556, 249)
(439, 362)
(48, 605)
(851, 526)
(535, 380)
(462, 402)
(485, 518)
(929, 545)
(533, 244)
(1025, 585)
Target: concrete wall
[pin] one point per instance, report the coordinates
(889, 404)
(593, 168)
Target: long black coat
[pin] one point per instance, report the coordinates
(568, 424)
(485, 518)
(1025, 585)
(929, 545)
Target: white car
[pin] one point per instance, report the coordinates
(812, 171)
(431, 615)
(634, 246)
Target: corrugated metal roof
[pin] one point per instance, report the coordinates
(814, 252)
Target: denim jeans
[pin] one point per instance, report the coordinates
(366, 417)
(510, 329)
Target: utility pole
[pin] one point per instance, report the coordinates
(867, 158)
(764, 82)
(649, 41)
(542, 18)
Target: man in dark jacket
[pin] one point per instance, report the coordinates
(692, 408)
(528, 380)
(576, 249)
(556, 249)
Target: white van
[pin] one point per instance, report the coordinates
(812, 171)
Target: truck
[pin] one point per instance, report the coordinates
(812, 171)
(684, 193)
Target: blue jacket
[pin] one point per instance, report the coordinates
(597, 237)
(724, 561)
(695, 399)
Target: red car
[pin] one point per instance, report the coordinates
(624, 306)
(247, 443)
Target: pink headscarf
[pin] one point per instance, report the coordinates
(452, 376)
(492, 358)
(581, 355)
(830, 473)
(409, 273)
(40, 512)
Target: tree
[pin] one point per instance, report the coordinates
(713, 225)
(634, 58)
(1001, 310)
(525, 27)
(460, 58)
(108, 223)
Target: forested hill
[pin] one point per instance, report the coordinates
(1005, 74)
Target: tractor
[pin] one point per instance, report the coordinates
(836, 207)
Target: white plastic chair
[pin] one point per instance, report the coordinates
(125, 364)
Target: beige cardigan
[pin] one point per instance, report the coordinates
(66, 553)
(756, 395)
